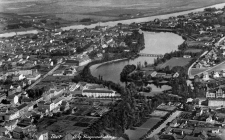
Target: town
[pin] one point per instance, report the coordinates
(49, 93)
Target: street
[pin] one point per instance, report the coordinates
(47, 74)
(163, 125)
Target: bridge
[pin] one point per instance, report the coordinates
(150, 55)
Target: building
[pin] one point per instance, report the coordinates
(18, 133)
(42, 105)
(98, 93)
(33, 77)
(210, 95)
(18, 77)
(216, 102)
(205, 76)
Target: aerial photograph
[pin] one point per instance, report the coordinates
(112, 69)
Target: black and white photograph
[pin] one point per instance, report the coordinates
(112, 69)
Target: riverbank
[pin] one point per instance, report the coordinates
(96, 66)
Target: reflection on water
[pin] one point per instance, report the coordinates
(159, 43)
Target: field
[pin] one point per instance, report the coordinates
(193, 50)
(195, 71)
(158, 113)
(194, 43)
(150, 123)
(166, 107)
(175, 61)
(136, 134)
(100, 10)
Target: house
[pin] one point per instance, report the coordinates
(64, 106)
(205, 76)
(176, 75)
(23, 108)
(198, 65)
(18, 77)
(43, 136)
(210, 95)
(160, 74)
(216, 131)
(14, 98)
(186, 56)
(18, 133)
(57, 102)
(11, 125)
(3, 131)
(52, 92)
(98, 93)
(153, 74)
(210, 120)
(219, 93)
(58, 73)
(33, 77)
(216, 75)
(43, 106)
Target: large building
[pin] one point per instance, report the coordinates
(216, 102)
(98, 93)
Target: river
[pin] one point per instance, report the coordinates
(155, 43)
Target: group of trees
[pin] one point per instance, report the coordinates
(35, 93)
(125, 72)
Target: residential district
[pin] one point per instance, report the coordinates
(47, 91)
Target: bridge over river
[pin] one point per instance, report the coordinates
(150, 55)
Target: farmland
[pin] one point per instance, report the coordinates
(175, 61)
(99, 10)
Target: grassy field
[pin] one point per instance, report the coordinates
(195, 71)
(175, 61)
(193, 50)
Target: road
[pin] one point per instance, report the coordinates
(163, 125)
(39, 80)
(189, 69)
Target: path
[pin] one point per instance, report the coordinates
(163, 125)
(39, 80)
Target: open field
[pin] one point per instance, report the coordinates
(166, 107)
(136, 134)
(194, 43)
(195, 71)
(159, 113)
(150, 123)
(100, 10)
(193, 50)
(175, 61)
